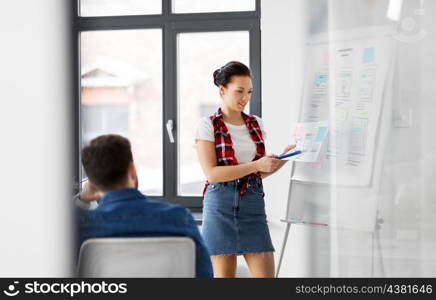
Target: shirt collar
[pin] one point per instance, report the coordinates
(121, 194)
(247, 118)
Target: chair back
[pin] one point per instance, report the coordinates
(137, 257)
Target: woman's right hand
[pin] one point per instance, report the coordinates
(268, 163)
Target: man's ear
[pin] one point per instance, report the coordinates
(92, 186)
(132, 172)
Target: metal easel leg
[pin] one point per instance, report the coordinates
(372, 255)
(285, 239)
(380, 252)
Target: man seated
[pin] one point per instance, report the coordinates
(123, 211)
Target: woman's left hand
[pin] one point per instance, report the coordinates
(288, 148)
(281, 162)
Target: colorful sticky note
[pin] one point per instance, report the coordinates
(368, 55)
(321, 80)
(327, 58)
(298, 132)
(321, 134)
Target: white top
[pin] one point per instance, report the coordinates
(243, 145)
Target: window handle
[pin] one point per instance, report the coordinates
(170, 128)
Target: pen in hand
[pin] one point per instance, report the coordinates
(290, 154)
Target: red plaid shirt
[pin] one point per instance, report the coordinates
(224, 145)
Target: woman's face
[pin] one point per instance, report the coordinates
(237, 93)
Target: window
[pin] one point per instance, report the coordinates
(141, 67)
(121, 92)
(194, 83)
(199, 6)
(94, 8)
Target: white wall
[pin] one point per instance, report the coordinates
(34, 138)
(282, 50)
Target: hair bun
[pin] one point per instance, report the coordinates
(216, 73)
(223, 75)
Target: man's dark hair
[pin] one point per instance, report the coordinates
(106, 160)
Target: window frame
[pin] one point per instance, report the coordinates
(171, 25)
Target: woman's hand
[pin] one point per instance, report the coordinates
(278, 163)
(288, 148)
(268, 163)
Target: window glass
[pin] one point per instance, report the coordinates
(369, 74)
(200, 6)
(93, 8)
(121, 93)
(200, 54)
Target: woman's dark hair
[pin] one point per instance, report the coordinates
(223, 75)
(106, 160)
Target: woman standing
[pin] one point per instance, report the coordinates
(231, 149)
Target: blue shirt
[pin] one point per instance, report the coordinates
(129, 213)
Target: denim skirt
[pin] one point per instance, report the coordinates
(234, 223)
